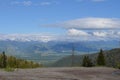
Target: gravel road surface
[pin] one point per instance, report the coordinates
(64, 73)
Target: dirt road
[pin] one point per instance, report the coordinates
(75, 73)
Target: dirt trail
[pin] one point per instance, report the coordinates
(75, 73)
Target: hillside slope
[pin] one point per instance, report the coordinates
(112, 59)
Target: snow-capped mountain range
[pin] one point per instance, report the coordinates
(26, 37)
(49, 47)
(72, 35)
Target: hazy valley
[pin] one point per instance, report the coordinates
(48, 52)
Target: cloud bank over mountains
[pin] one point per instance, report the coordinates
(71, 35)
(83, 29)
(90, 23)
(94, 35)
(89, 29)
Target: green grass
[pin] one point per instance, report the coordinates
(8, 69)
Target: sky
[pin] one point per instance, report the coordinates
(60, 19)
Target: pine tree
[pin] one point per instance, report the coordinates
(101, 58)
(4, 60)
(87, 62)
(13, 62)
(1, 60)
(84, 61)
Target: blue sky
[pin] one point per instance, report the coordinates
(57, 16)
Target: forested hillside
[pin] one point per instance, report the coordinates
(112, 58)
(13, 62)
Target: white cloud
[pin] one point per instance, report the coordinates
(27, 3)
(106, 35)
(72, 35)
(118, 33)
(75, 32)
(30, 3)
(95, 35)
(90, 23)
(45, 3)
(100, 34)
(24, 3)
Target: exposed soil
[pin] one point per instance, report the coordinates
(74, 73)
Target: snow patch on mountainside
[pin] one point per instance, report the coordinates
(26, 37)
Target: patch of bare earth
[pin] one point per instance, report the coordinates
(74, 73)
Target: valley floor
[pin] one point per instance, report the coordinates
(64, 73)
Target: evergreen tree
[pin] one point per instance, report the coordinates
(4, 60)
(13, 62)
(101, 58)
(1, 60)
(87, 62)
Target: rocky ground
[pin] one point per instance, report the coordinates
(75, 73)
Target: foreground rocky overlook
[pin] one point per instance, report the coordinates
(64, 73)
